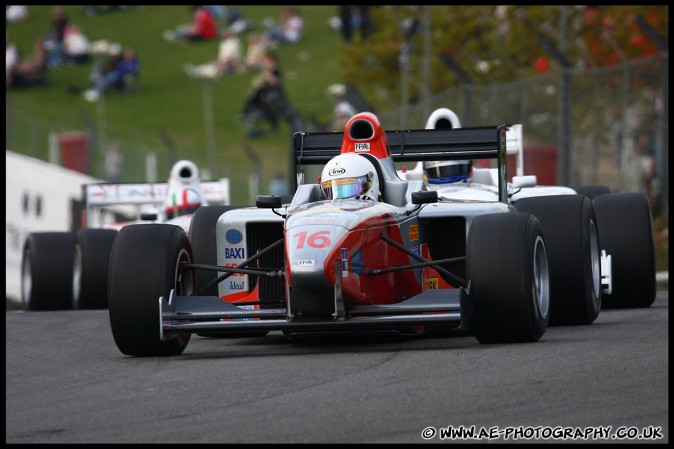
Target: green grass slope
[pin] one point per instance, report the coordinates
(168, 103)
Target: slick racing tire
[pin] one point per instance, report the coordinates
(47, 271)
(591, 191)
(573, 245)
(144, 266)
(204, 245)
(626, 232)
(90, 270)
(507, 271)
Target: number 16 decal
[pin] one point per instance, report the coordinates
(316, 240)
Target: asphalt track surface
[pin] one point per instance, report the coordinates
(66, 382)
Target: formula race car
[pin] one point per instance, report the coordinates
(625, 239)
(69, 270)
(360, 250)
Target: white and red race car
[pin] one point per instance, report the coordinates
(69, 270)
(361, 249)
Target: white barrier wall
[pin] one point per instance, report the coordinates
(38, 198)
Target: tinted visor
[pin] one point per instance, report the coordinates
(448, 173)
(346, 187)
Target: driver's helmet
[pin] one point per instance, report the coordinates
(444, 172)
(350, 175)
(182, 202)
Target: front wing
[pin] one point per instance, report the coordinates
(191, 314)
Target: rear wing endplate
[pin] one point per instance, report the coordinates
(416, 145)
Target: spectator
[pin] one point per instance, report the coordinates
(128, 70)
(16, 13)
(267, 101)
(30, 71)
(203, 27)
(120, 72)
(53, 42)
(228, 62)
(343, 110)
(229, 54)
(237, 23)
(11, 60)
(355, 17)
(75, 45)
(290, 29)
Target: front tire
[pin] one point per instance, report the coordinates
(144, 265)
(47, 271)
(507, 269)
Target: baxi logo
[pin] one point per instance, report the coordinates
(233, 236)
(336, 171)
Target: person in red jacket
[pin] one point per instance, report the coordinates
(203, 27)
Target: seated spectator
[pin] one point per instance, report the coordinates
(128, 71)
(203, 27)
(75, 45)
(228, 62)
(120, 72)
(290, 29)
(229, 54)
(237, 23)
(31, 71)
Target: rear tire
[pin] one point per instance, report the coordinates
(572, 243)
(144, 265)
(508, 277)
(626, 232)
(47, 271)
(591, 191)
(91, 265)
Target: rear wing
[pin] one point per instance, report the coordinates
(107, 194)
(416, 145)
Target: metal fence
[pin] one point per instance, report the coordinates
(605, 126)
(599, 127)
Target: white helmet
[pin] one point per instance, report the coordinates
(444, 172)
(350, 175)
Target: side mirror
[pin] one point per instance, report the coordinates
(524, 181)
(425, 197)
(149, 216)
(268, 201)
